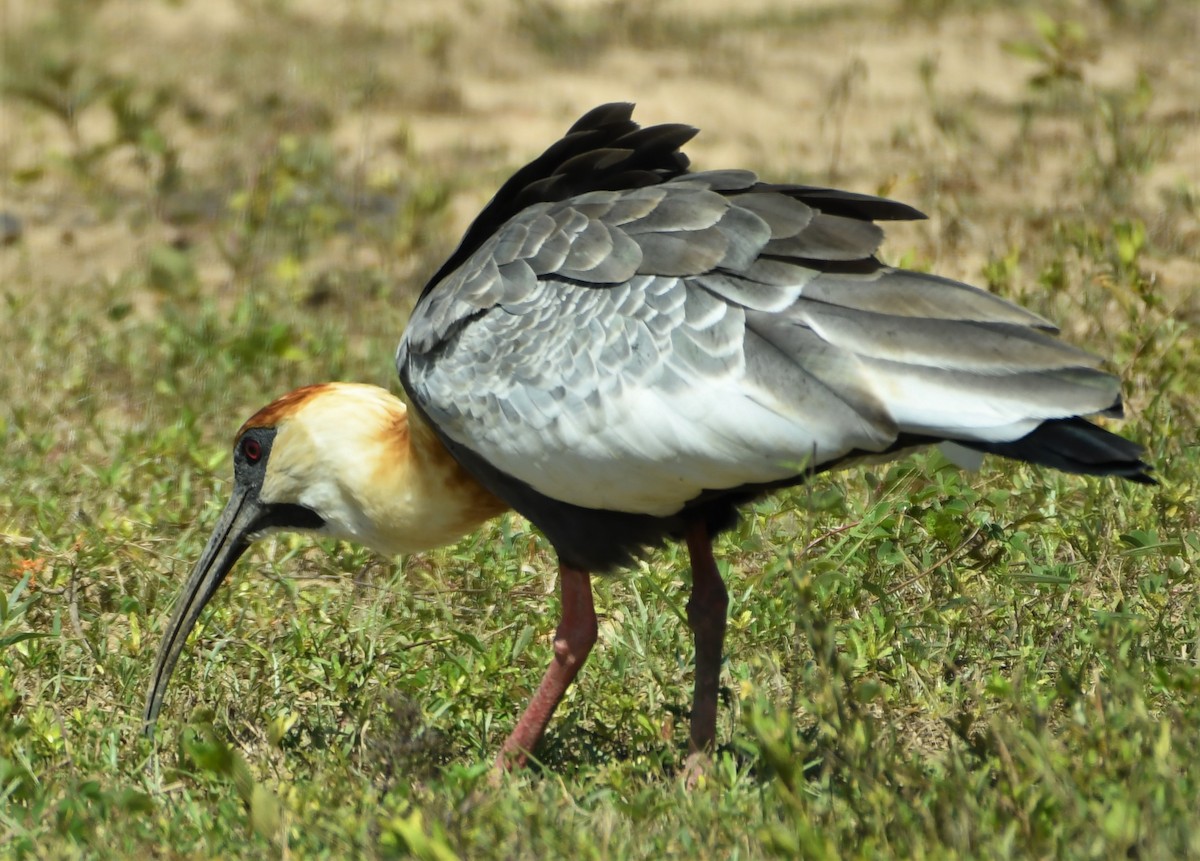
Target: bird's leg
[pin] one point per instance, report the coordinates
(706, 611)
(572, 642)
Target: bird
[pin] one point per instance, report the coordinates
(627, 352)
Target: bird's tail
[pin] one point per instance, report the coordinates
(1073, 445)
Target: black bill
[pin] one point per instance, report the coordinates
(242, 517)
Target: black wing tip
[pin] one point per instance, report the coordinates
(1136, 471)
(604, 115)
(619, 113)
(603, 150)
(606, 150)
(868, 207)
(1075, 445)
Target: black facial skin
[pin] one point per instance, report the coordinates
(251, 472)
(245, 517)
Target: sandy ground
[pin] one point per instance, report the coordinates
(830, 92)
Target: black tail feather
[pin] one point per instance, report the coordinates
(1074, 445)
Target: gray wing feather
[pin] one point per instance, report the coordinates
(914, 294)
(717, 180)
(785, 216)
(968, 345)
(829, 237)
(724, 306)
(681, 212)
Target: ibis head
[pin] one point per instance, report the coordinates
(338, 459)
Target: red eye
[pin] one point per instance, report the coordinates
(252, 449)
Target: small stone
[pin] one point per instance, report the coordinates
(11, 228)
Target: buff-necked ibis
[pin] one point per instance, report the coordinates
(624, 351)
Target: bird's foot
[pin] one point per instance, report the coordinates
(696, 769)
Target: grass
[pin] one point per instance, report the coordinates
(922, 663)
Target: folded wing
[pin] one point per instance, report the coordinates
(630, 350)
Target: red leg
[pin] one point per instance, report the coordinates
(573, 641)
(706, 611)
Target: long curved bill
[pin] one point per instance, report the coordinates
(229, 541)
